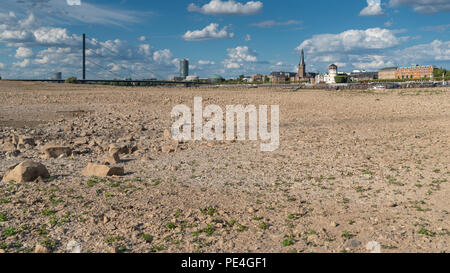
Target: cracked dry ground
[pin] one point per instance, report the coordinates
(352, 167)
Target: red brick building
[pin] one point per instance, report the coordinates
(415, 72)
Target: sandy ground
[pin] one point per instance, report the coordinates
(352, 168)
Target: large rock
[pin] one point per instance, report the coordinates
(102, 170)
(27, 171)
(55, 151)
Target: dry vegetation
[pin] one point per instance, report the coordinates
(352, 167)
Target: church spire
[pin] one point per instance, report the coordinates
(302, 67)
(302, 61)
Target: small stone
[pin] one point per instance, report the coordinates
(73, 247)
(168, 149)
(167, 134)
(41, 249)
(54, 151)
(353, 244)
(39, 180)
(113, 250)
(334, 224)
(114, 159)
(373, 247)
(81, 141)
(392, 204)
(120, 148)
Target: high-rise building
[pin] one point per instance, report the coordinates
(184, 68)
(57, 76)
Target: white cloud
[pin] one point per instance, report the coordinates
(372, 62)
(58, 11)
(388, 23)
(239, 56)
(28, 32)
(56, 49)
(74, 2)
(351, 40)
(435, 51)
(142, 38)
(273, 23)
(231, 7)
(23, 52)
(201, 62)
(242, 54)
(424, 6)
(231, 65)
(145, 49)
(2, 66)
(210, 32)
(373, 8)
(424, 54)
(248, 38)
(368, 49)
(438, 28)
(22, 64)
(163, 56)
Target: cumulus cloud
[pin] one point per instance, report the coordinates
(231, 7)
(22, 64)
(373, 8)
(210, 32)
(372, 62)
(424, 6)
(273, 23)
(239, 56)
(352, 40)
(2, 66)
(142, 38)
(435, 51)
(57, 48)
(23, 52)
(363, 49)
(425, 54)
(163, 56)
(28, 32)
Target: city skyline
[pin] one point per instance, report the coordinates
(145, 40)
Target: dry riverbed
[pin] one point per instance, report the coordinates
(353, 167)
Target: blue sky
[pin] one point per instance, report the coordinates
(146, 39)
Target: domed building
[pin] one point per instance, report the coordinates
(216, 78)
(330, 77)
